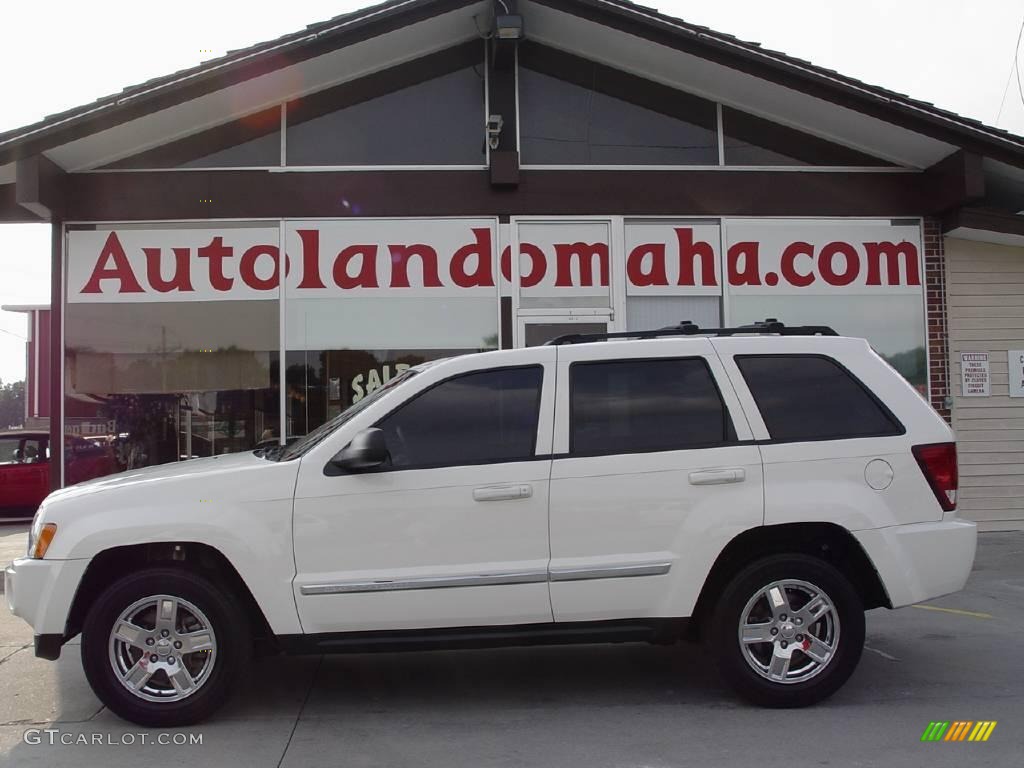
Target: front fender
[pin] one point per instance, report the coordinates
(245, 514)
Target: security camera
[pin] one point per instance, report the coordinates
(494, 126)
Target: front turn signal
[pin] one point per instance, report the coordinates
(43, 542)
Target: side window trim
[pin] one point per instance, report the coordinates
(898, 427)
(533, 456)
(729, 426)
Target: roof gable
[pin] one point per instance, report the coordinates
(635, 39)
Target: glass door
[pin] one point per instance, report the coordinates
(563, 281)
(535, 331)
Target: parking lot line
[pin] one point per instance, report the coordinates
(957, 611)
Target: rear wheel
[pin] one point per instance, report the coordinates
(788, 631)
(162, 647)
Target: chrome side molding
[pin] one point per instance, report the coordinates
(610, 572)
(430, 582)
(488, 579)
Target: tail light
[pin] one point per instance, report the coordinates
(938, 463)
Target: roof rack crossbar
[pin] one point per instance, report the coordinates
(770, 326)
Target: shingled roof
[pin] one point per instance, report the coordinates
(315, 39)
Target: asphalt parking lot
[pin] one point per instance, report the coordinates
(957, 658)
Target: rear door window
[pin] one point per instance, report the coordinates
(632, 406)
(810, 397)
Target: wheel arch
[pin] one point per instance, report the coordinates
(826, 541)
(111, 564)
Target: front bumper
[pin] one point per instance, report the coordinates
(924, 560)
(41, 593)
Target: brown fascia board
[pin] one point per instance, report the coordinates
(799, 75)
(985, 220)
(38, 187)
(11, 212)
(953, 182)
(232, 69)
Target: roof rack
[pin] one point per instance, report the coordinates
(770, 326)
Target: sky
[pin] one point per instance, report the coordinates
(959, 55)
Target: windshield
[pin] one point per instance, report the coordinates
(304, 444)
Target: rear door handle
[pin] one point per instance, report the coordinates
(718, 476)
(502, 492)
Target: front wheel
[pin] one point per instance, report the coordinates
(788, 631)
(161, 647)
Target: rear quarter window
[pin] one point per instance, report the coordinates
(812, 397)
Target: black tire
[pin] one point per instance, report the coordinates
(229, 625)
(725, 645)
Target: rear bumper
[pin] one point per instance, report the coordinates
(41, 592)
(921, 561)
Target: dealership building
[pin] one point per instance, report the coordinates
(446, 176)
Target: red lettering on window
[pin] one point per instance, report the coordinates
(584, 254)
(180, 281)
(400, 255)
(538, 264)
(481, 249)
(750, 273)
(120, 269)
(892, 253)
(689, 251)
(635, 272)
(247, 267)
(216, 252)
(788, 264)
(310, 259)
(826, 263)
(366, 277)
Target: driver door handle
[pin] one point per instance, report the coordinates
(503, 492)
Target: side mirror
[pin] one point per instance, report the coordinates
(366, 451)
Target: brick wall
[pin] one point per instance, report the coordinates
(935, 303)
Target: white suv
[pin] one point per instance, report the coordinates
(756, 490)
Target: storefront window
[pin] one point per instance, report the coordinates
(376, 297)
(893, 325)
(253, 141)
(673, 273)
(751, 140)
(150, 380)
(863, 279)
(437, 121)
(567, 124)
(573, 111)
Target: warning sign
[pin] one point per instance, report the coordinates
(975, 374)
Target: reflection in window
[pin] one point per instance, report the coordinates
(807, 397)
(251, 141)
(323, 383)
(627, 406)
(340, 351)
(892, 323)
(437, 122)
(490, 416)
(159, 382)
(261, 152)
(751, 140)
(564, 123)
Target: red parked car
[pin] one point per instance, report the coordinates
(25, 469)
